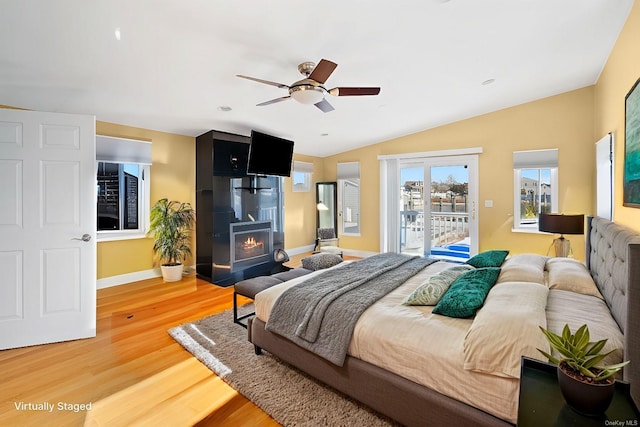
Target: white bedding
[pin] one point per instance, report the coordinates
(564, 307)
(432, 350)
(396, 337)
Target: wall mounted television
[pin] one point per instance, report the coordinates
(269, 155)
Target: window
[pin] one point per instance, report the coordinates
(349, 198)
(122, 188)
(301, 176)
(119, 203)
(535, 186)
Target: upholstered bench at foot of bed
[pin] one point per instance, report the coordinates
(250, 287)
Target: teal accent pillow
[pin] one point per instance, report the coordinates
(493, 258)
(430, 292)
(467, 294)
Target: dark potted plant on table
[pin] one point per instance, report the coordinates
(170, 225)
(586, 386)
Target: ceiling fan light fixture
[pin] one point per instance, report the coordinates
(311, 90)
(307, 94)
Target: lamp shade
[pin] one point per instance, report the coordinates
(561, 224)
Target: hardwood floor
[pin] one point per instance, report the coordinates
(132, 372)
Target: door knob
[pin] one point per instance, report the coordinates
(85, 237)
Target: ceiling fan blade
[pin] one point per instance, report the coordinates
(354, 91)
(267, 82)
(273, 101)
(324, 106)
(322, 71)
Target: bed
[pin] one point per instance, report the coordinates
(418, 367)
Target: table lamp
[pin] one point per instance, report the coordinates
(561, 224)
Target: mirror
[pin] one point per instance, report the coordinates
(326, 204)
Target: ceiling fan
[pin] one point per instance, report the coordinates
(310, 90)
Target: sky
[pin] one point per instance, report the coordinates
(438, 174)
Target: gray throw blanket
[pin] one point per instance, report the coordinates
(320, 313)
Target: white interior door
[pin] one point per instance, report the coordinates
(47, 228)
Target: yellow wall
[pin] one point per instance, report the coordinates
(619, 75)
(572, 122)
(172, 176)
(562, 121)
(300, 208)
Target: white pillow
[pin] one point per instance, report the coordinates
(570, 275)
(523, 268)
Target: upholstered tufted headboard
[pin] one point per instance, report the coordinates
(613, 257)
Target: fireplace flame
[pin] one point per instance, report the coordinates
(251, 243)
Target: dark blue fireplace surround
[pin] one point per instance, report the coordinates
(225, 194)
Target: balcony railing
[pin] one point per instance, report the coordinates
(446, 228)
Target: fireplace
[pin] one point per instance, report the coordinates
(229, 201)
(251, 244)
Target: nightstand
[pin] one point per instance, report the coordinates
(541, 404)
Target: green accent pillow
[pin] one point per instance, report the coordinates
(467, 293)
(493, 258)
(430, 292)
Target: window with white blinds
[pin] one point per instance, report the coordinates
(301, 176)
(535, 174)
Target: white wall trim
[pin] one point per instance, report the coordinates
(122, 279)
(389, 212)
(360, 254)
(345, 251)
(299, 250)
(438, 153)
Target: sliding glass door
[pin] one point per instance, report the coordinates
(438, 207)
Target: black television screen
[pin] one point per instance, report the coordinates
(269, 155)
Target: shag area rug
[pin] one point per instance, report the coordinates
(288, 395)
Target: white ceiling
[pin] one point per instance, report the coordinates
(175, 63)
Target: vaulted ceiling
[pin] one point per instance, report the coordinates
(171, 65)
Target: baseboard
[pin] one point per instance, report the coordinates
(359, 254)
(299, 250)
(122, 279)
(351, 252)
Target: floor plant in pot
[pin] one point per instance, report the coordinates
(586, 386)
(170, 225)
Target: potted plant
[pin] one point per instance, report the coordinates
(170, 225)
(586, 386)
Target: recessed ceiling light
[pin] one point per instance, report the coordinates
(225, 108)
(488, 82)
(117, 33)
